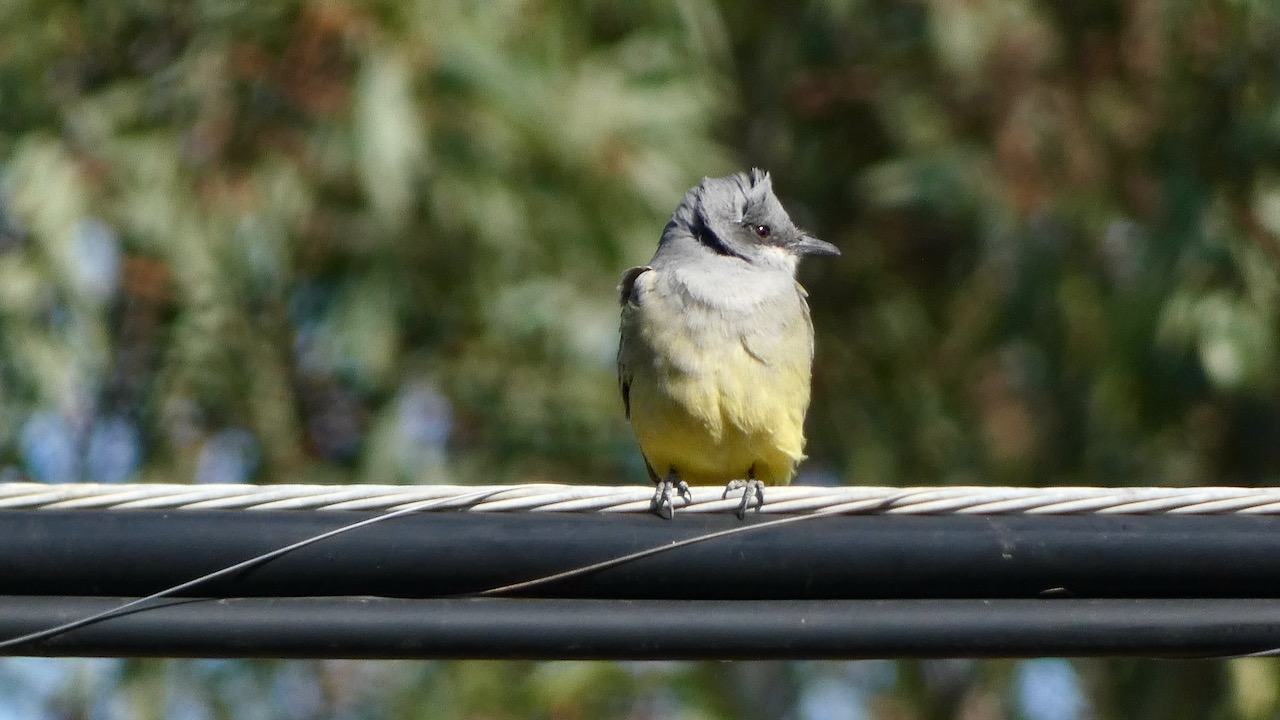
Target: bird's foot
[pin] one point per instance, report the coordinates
(752, 494)
(663, 504)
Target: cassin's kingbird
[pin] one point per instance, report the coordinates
(716, 343)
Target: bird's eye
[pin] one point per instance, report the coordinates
(762, 231)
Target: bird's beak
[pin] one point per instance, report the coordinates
(810, 245)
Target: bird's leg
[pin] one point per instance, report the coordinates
(752, 489)
(663, 505)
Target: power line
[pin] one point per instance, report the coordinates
(137, 552)
(651, 629)
(1206, 561)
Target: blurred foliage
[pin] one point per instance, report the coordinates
(364, 235)
(331, 241)
(1060, 231)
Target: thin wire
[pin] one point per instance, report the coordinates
(622, 559)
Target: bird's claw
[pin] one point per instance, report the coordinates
(663, 504)
(752, 494)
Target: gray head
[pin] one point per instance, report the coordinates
(739, 216)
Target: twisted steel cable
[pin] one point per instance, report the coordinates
(955, 500)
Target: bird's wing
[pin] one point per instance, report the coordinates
(629, 299)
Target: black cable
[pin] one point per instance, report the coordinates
(1056, 557)
(437, 554)
(631, 629)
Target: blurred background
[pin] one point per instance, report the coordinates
(328, 241)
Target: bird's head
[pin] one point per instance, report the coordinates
(740, 216)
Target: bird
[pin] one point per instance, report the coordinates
(715, 348)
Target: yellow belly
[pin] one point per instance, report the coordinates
(735, 419)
